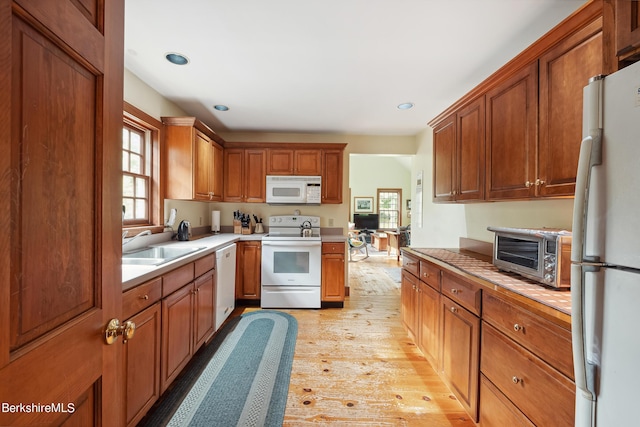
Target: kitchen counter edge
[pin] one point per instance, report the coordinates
(545, 310)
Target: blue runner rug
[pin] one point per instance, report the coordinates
(246, 381)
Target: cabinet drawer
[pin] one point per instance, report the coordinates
(141, 297)
(547, 340)
(498, 411)
(411, 264)
(543, 394)
(465, 293)
(333, 248)
(430, 274)
(177, 278)
(205, 264)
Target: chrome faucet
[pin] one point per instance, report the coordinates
(124, 234)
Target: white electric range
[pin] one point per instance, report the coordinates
(291, 262)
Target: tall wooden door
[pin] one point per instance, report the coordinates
(61, 191)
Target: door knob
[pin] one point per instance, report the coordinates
(114, 329)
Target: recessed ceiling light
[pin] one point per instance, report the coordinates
(405, 106)
(221, 107)
(177, 58)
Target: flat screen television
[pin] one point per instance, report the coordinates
(366, 221)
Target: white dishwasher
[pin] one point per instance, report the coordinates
(225, 282)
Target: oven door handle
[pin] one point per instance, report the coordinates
(291, 243)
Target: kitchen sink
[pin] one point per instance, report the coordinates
(157, 255)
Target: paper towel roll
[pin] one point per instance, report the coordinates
(215, 221)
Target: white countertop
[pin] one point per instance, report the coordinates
(133, 275)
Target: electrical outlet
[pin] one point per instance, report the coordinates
(200, 220)
(330, 222)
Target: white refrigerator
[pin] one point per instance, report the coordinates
(605, 275)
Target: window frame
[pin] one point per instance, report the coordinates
(135, 117)
(380, 210)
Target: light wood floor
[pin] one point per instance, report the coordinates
(356, 366)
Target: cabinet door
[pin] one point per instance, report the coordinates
(564, 71)
(444, 152)
(279, 161)
(142, 364)
(408, 289)
(177, 334)
(460, 353)
(429, 335)
(333, 272)
(233, 174)
(255, 166)
(204, 310)
(470, 152)
(307, 162)
(627, 26)
(248, 274)
(203, 166)
(217, 174)
(332, 176)
(512, 123)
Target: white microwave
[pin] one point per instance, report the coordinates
(294, 190)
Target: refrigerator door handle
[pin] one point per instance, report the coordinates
(590, 155)
(583, 369)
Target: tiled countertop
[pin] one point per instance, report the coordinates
(556, 299)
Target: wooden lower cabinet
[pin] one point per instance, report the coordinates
(409, 302)
(498, 411)
(333, 272)
(248, 269)
(177, 333)
(540, 392)
(204, 315)
(460, 353)
(429, 323)
(142, 364)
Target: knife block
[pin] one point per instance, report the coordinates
(237, 226)
(247, 230)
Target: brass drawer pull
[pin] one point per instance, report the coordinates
(454, 310)
(516, 380)
(144, 297)
(517, 327)
(455, 291)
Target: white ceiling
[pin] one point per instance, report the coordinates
(327, 66)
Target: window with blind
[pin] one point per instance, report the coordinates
(389, 207)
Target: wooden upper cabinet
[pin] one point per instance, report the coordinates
(281, 161)
(245, 175)
(255, 181)
(332, 175)
(627, 28)
(511, 136)
(189, 161)
(444, 152)
(307, 162)
(470, 151)
(564, 71)
(458, 154)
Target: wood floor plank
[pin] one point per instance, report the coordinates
(356, 366)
